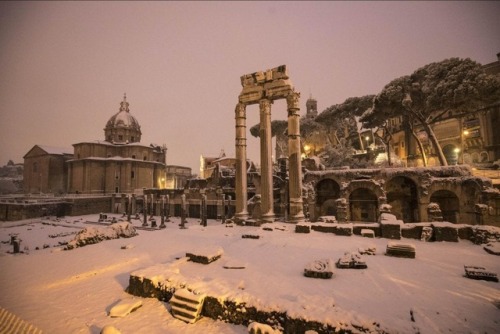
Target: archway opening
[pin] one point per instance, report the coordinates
(449, 204)
(327, 191)
(402, 196)
(363, 204)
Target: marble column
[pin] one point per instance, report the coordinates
(241, 163)
(294, 158)
(266, 162)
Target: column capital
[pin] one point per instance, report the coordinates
(292, 100)
(265, 105)
(240, 109)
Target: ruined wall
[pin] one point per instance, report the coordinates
(463, 198)
(26, 209)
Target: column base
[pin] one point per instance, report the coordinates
(296, 211)
(240, 217)
(267, 217)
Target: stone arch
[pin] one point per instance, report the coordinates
(451, 152)
(327, 192)
(449, 204)
(402, 195)
(365, 197)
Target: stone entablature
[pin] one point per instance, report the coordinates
(408, 190)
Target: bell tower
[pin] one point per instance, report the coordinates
(311, 108)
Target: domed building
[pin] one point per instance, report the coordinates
(119, 164)
(122, 127)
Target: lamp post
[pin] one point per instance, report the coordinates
(465, 133)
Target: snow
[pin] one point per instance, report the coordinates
(124, 307)
(74, 291)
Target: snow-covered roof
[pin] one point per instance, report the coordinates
(56, 150)
(107, 143)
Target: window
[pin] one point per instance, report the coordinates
(133, 156)
(132, 139)
(145, 158)
(35, 167)
(120, 137)
(132, 174)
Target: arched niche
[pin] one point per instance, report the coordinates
(363, 205)
(327, 192)
(449, 204)
(402, 195)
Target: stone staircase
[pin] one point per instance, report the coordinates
(12, 324)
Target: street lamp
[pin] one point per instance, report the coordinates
(457, 151)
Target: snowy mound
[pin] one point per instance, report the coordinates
(93, 235)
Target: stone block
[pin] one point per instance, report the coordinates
(390, 229)
(444, 232)
(303, 228)
(351, 261)
(187, 306)
(400, 250)
(465, 232)
(480, 273)
(357, 228)
(367, 233)
(319, 269)
(205, 256)
(411, 231)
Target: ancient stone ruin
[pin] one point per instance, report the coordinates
(264, 87)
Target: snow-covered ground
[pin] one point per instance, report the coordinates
(73, 291)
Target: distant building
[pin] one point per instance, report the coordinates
(465, 138)
(209, 164)
(117, 164)
(45, 169)
(120, 164)
(177, 177)
(11, 178)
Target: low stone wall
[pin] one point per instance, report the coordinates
(28, 209)
(337, 229)
(478, 234)
(243, 314)
(88, 205)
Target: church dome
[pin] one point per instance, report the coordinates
(122, 127)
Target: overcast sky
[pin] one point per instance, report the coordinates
(64, 66)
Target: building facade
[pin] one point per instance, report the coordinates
(45, 169)
(119, 164)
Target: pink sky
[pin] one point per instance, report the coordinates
(64, 66)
